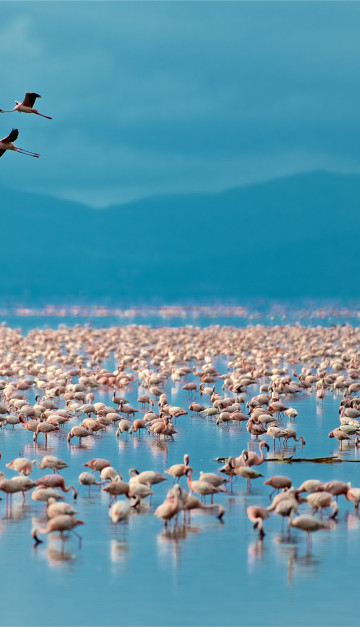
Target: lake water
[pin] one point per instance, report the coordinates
(206, 573)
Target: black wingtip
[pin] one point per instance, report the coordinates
(13, 135)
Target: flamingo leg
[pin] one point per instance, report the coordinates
(78, 536)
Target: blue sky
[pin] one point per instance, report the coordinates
(155, 98)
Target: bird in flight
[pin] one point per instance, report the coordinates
(7, 144)
(27, 105)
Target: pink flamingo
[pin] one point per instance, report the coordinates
(61, 523)
(202, 487)
(45, 428)
(250, 458)
(278, 483)
(257, 515)
(7, 144)
(97, 464)
(27, 105)
(137, 425)
(55, 481)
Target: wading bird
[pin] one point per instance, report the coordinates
(61, 523)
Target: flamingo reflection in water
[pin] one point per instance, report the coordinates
(170, 541)
(290, 552)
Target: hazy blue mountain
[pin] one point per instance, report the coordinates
(292, 237)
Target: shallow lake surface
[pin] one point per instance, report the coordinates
(204, 573)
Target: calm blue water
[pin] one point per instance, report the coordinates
(203, 574)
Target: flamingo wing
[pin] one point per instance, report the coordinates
(30, 98)
(11, 137)
(2, 152)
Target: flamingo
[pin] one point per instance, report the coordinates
(61, 508)
(45, 428)
(55, 481)
(249, 458)
(202, 487)
(213, 478)
(120, 511)
(257, 515)
(86, 478)
(278, 483)
(190, 502)
(336, 487)
(339, 435)
(24, 483)
(78, 432)
(178, 470)
(148, 477)
(291, 433)
(276, 432)
(109, 473)
(255, 428)
(137, 425)
(6, 143)
(9, 486)
(310, 485)
(140, 490)
(97, 464)
(170, 507)
(353, 494)
(117, 487)
(124, 426)
(321, 500)
(196, 407)
(248, 473)
(61, 523)
(286, 507)
(52, 462)
(44, 494)
(22, 465)
(27, 105)
(310, 525)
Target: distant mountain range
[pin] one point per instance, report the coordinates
(292, 237)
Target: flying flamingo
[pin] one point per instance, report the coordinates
(27, 105)
(7, 144)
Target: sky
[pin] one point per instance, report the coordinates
(154, 98)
